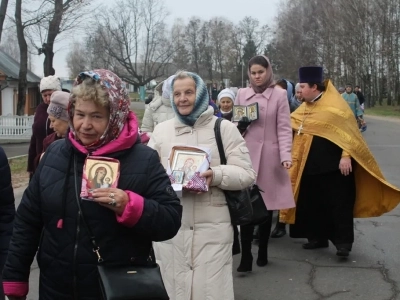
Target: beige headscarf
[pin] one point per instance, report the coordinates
(269, 80)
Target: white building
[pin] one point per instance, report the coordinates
(9, 74)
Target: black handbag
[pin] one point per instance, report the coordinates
(246, 207)
(131, 282)
(125, 282)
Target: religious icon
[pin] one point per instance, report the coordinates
(250, 111)
(178, 176)
(185, 166)
(99, 172)
(238, 113)
(187, 162)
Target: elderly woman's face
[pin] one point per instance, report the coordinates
(59, 126)
(90, 121)
(298, 94)
(226, 104)
(46, 94)
(184, 95)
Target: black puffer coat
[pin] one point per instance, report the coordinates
(66, 260)
(7, 210)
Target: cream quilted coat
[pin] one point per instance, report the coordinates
(197, 263)
(158, 111)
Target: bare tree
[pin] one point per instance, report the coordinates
(253, 31)
(54, 18)
(181, 57)
(206, 52)
(77, 59)
(96, 57)
(23, 47)
(9, 43)
(133, 33)
(3, 11)
(193, 39)
(220, 30)
(356, 41)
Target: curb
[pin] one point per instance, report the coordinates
(13, 141)
(16, 157)
(383, 118)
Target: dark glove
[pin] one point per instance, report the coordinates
(243, 124)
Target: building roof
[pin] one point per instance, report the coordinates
(10, 67)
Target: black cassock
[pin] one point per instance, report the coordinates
(326, 198)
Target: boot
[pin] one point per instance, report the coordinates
(279, 231)
(265, 231)
(236, 242)
(246, 238)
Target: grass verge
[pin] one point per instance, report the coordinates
(19, 175)
(139, 113)
(384, 111)
(18, 165)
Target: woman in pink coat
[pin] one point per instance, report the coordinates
(269, 140)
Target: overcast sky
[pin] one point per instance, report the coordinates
(263, 10)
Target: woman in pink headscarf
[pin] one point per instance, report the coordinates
(70, 236)
(269, 140)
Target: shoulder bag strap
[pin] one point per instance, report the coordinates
(218, 138)
(96, 248)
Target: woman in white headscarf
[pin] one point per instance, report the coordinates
(226, 99)
(159, 109)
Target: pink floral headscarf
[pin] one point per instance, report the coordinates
(119, 104)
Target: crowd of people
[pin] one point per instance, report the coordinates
(304, 150)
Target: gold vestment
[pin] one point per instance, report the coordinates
(331, 118)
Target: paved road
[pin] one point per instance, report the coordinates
(371, 273)
(15, 149)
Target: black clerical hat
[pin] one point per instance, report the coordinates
(311, 75)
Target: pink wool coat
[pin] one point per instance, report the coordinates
(269, 140)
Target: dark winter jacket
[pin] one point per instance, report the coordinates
(40, 129)
(48, 140)
(7, 210)
(228, 116)
(360, 97)
(65, 257)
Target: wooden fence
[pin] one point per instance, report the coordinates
(15, 127)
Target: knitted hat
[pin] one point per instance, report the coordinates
(50, 83)
(228, 93)
(58, 105)
(311, 75)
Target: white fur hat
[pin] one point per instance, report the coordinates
(50, 83)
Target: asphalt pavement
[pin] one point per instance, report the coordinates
(17, 149)
(372, 272)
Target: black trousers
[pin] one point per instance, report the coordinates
(325, 209)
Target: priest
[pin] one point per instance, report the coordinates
(334, 176)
